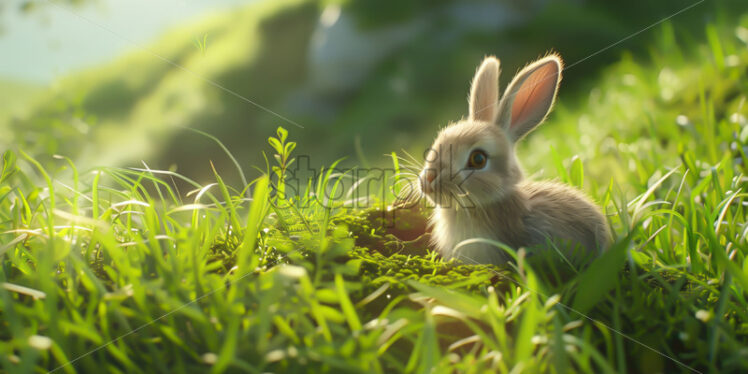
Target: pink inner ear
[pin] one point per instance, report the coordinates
(535, 95)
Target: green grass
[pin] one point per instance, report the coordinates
(116, 269)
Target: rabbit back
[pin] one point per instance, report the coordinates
(564, 215)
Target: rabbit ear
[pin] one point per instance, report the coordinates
(530, 96)
(484, 94)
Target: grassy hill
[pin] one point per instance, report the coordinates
(132, 108)
(16, 95)
(136, 107)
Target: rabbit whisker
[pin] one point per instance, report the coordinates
(415, 161)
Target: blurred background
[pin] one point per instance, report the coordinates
(114, 83)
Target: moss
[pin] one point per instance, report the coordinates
(393, 248)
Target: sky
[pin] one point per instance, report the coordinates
(56, 40)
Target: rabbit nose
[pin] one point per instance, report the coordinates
(427, 179)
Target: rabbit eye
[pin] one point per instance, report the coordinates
(477, 159)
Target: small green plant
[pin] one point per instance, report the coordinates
(283, 160)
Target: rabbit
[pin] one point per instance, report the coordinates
(473, 179)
